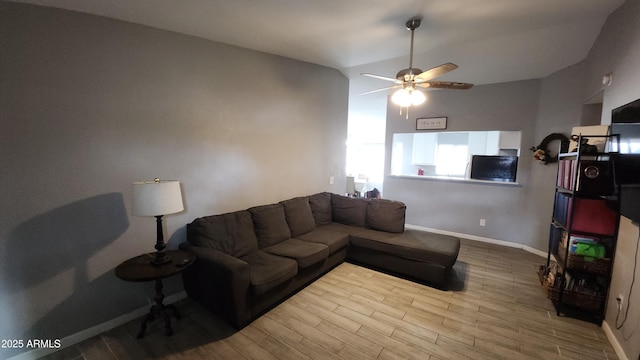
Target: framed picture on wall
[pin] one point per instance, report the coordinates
(431, 123)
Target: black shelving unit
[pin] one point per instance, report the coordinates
(583, 232)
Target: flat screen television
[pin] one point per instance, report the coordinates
(494, 168)
(629, 197)
(625, 121)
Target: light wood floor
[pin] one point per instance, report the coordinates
(495, 310)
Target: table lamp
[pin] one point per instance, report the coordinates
(157, 198)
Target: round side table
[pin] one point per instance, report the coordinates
(140, 268)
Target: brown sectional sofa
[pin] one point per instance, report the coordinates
(250, 260)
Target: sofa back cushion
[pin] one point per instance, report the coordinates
(297, 212)
(321, 208)
(386, 215)
(348, 211)
(230, 233)
(270, 224)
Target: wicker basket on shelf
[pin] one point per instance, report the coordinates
(577, 299)
(600, 266)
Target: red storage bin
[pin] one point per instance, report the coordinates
(592, 216)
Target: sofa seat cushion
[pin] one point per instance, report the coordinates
(298, 214)
(304, 252)
(332, 238)
(412, 244)
(267, 271)
(346, 229)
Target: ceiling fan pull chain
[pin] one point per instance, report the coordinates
(406, 114)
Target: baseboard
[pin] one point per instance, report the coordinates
(614, 341)
(95, 330)
(480, 238)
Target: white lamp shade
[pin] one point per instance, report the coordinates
(151, 198)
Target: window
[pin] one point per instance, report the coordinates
(451, 154)
(448, 154)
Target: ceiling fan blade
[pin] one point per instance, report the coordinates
(383, 89)
(436, 71)
(446, 85)
(381, 77)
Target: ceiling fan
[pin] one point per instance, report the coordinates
(408, 79)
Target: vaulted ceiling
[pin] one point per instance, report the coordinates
(491, 40)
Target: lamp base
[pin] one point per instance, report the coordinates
(155, 262)
(160, 259)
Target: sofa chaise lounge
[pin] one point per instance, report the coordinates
(250, 260)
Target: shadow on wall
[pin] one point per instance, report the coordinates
(62, 239)
(173, 243)
(45, 261)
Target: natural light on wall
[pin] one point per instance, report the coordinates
(365, 150)
(451, 160)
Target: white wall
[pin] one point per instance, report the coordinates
(90, 105)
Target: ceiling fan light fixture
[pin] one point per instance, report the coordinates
(418, 97)
(407, 79)
(408, 97)
(402, 98)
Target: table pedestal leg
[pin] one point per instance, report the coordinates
(159, 309)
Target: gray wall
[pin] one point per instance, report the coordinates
(459, 206)
(89, 105)
(560, 109)
(537, 108)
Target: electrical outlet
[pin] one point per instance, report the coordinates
(331, 180)
(483, 222)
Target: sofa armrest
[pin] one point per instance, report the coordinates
(219, 281)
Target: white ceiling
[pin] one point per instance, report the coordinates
(492, 40)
